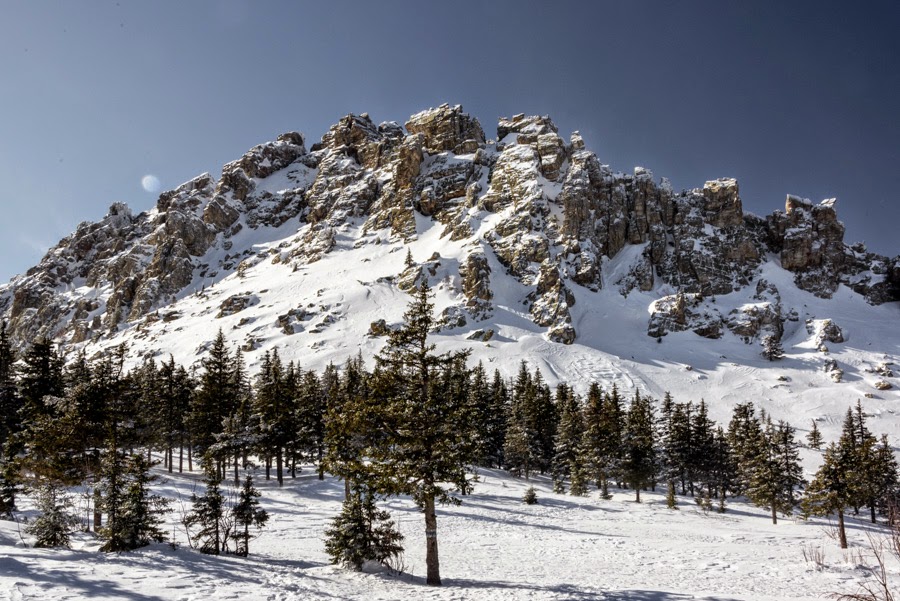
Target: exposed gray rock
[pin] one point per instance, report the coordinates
(447, 128)
(681, 312)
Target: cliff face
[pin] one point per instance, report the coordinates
(545, 208)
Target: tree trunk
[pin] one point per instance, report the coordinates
(841, 532)
(431, 546)
(181, 459)
(237, 476)
(268, 468)
(190, 457)
(774, 515)
(279, 466)
(98, 513)
(346, 489)
(637, 493)
(872, 510)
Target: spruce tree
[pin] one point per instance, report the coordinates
(426, 444)
(217, 396)
(814, 438)
(138, 517)
(272, 408)
(362, 532)
(311, 409)
(56, 521)
(246, 514)
(832, 489)
(776, 472)
(745, 438)
(567, 461)
(639, 456)
(772, 350)
(208, 513)
(496, 422)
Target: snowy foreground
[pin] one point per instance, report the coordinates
(491, 547)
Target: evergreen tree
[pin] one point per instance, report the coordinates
(567, 461)
(272, 407)
(814, 438)
(496, 418)
(772, 350)
(426, 444)
(745, 437)
(639, 457)
(530, 496)
(138, 518)
(347, 427)
(217, 396)
(362, 532)
(246, 514)
(10, 402)
(10, 425)
(175, 388)
(480, 403)
(41, 376)
(208, 514)
(55, 522)
(776, 472)
(885, 475)
(702, 447)
(873, 475)
(311, 408)
(724, 473)
(832, 489)
(520, 448)
(601, 445)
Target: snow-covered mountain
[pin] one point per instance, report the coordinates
(536, 250)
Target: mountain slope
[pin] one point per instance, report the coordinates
(535, 249)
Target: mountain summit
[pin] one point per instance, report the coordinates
(531, 242)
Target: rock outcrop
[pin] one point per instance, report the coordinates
(543, 207)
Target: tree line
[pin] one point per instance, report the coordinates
(417, 423)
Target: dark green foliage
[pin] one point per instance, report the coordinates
(206, 520)
(137, 519)
(745, 437)
(10, 401)
(272, 409)
(530, 497)
(56, 522)
(246, 514)
(311, 407)
(170, 405)
(603, 439)
(772, 350)
(417, 429)
(832, 490)
(814, 438)
(568, 459)
(362, 532)
(218, 396)
(41, 376)
(639, 452)
(776, 472)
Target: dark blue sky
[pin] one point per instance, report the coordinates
(789, 97)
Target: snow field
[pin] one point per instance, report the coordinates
(492, 546)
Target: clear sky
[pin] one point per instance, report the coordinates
(789, 97)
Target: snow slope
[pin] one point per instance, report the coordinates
(331, 303)
(491, 547)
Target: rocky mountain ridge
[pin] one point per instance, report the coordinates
(544, 208)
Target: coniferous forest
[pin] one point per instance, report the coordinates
(414, 423)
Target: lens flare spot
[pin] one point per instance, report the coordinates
(150, 183)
